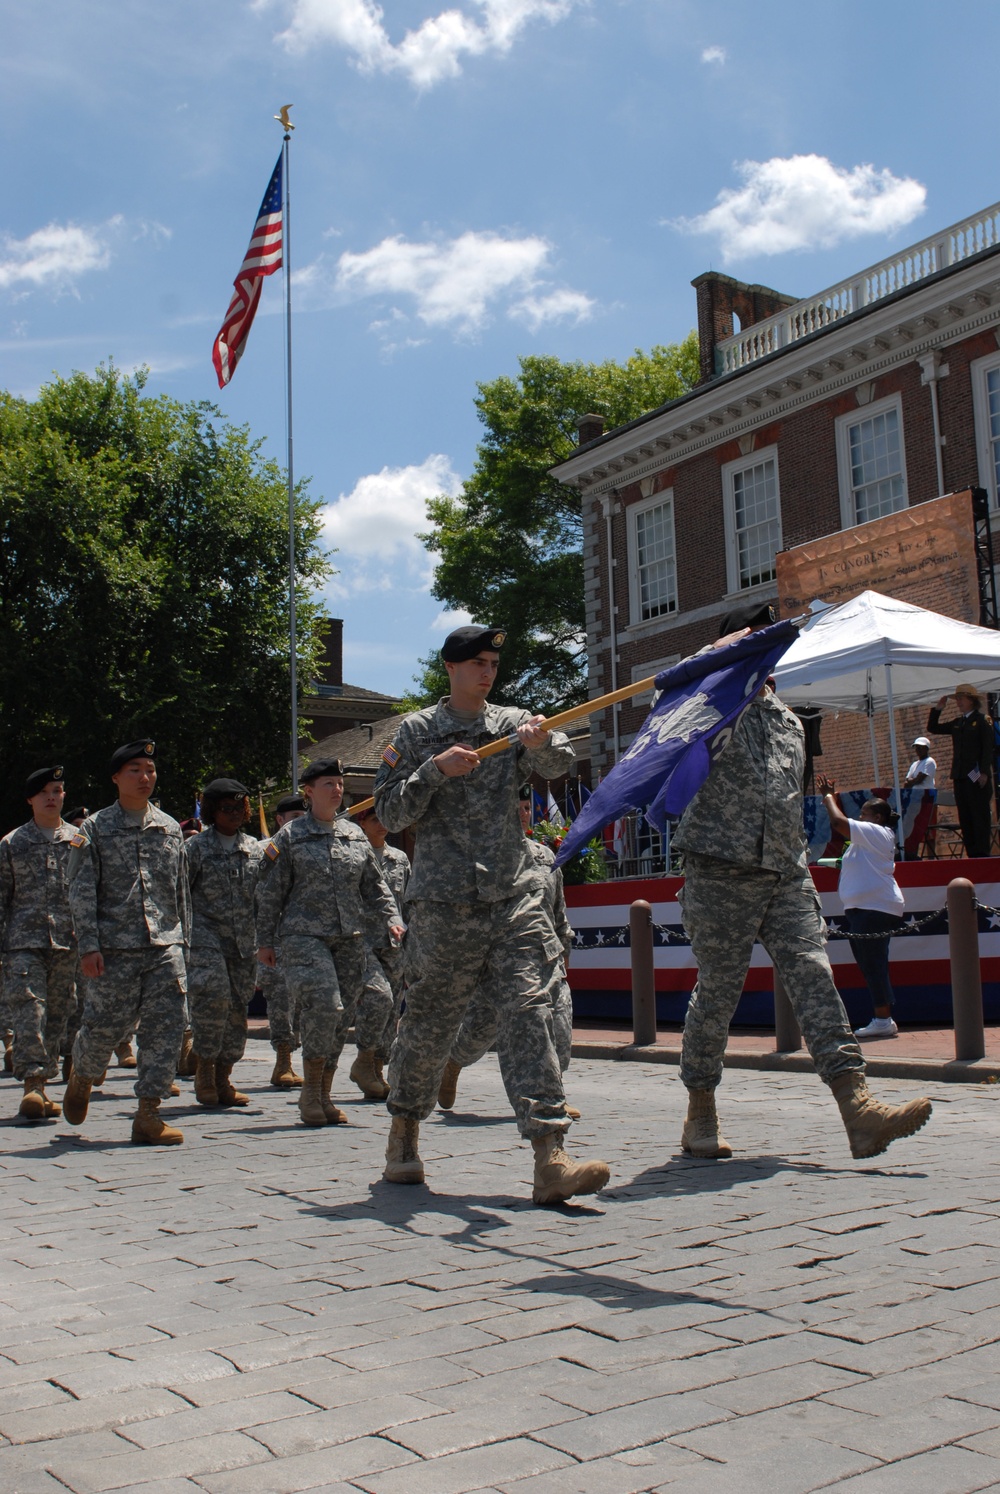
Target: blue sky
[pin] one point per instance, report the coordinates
(471, 182)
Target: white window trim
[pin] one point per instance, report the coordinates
(729, 471)
(842, 426)
(981, 418)
(655, 500)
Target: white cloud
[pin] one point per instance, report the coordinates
(556, 305)
(714, 54)
(374, 527)
(447, 620)
(427, 55)
(55, 256)
(806, 202)
(454, 283)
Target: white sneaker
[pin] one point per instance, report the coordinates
(878, 1027)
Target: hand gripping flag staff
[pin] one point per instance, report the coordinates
(701, 701)
(268, 251)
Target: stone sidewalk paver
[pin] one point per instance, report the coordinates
(257, 1311)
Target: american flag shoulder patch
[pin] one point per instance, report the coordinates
(391, 756)
(271, 851)
(78, 841)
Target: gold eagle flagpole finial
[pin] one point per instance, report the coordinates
(283, 119)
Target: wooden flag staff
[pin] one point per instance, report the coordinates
(562, 718)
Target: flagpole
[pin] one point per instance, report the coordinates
(286, 261)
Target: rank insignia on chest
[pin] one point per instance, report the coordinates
(271, 851)
(391, 756)
(78, 841)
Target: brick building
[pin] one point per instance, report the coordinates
(811, 416)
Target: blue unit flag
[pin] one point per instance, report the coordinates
(700, 703)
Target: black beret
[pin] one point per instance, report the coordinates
(37, 781)
(79, 813)
(323, 767)
(145, 747)
(221, 788)
(750, 615)
(466, 643)
(289, 804)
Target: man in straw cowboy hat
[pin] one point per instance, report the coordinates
(971, 733)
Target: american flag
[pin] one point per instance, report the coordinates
(262, 258)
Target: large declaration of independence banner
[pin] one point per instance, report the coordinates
(925, 555)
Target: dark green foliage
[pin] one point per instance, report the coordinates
(509, 546)
(143, 589)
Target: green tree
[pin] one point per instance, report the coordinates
(144, 588)
(509, 546)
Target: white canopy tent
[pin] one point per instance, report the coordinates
(875, 653)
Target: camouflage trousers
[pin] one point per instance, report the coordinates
(454, 950)
(39, 996)
(220, 986)
(140, 988)
(478, 1032)
(726, 908)
(324, 978)
(378, 1010)
(282, 1013)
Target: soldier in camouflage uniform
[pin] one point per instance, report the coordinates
(478, 1031)
(473, 908)
(128, 890)
(222, 867)
(746, 879)
(36, 935)
(317, 880)
(378, 1010)
(282, 1015)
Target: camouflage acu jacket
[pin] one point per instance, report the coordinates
(469, 845)
(549, 882)
(395, 868)
(320, 881)
(34, 894)
(223, 884)
(749, 810)
(128, 885)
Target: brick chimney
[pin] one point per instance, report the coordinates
(589, 428)
(719, 297)
(330, 665)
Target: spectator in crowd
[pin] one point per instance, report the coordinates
(873, 903)
(922, 772)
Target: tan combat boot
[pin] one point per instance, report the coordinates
(186, 1061)
(701, 1136)
(150, 1129)
(205, 1091)
(310, 1095)
(283, 1076)
(334, 1115)
(126, 1058)
(76, 1100)
(870, 1125)
(36, 1105)
(228, 1095)
(402, 1160)
(365, 1075)
(557, 1178)
(448, 1088)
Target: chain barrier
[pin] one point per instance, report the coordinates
(912, 926)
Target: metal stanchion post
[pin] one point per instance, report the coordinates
(787, 1037)
(640, 922)
(966, 979)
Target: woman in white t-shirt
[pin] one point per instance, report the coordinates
(873, 903)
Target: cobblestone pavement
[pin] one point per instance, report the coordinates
(255, 1311)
